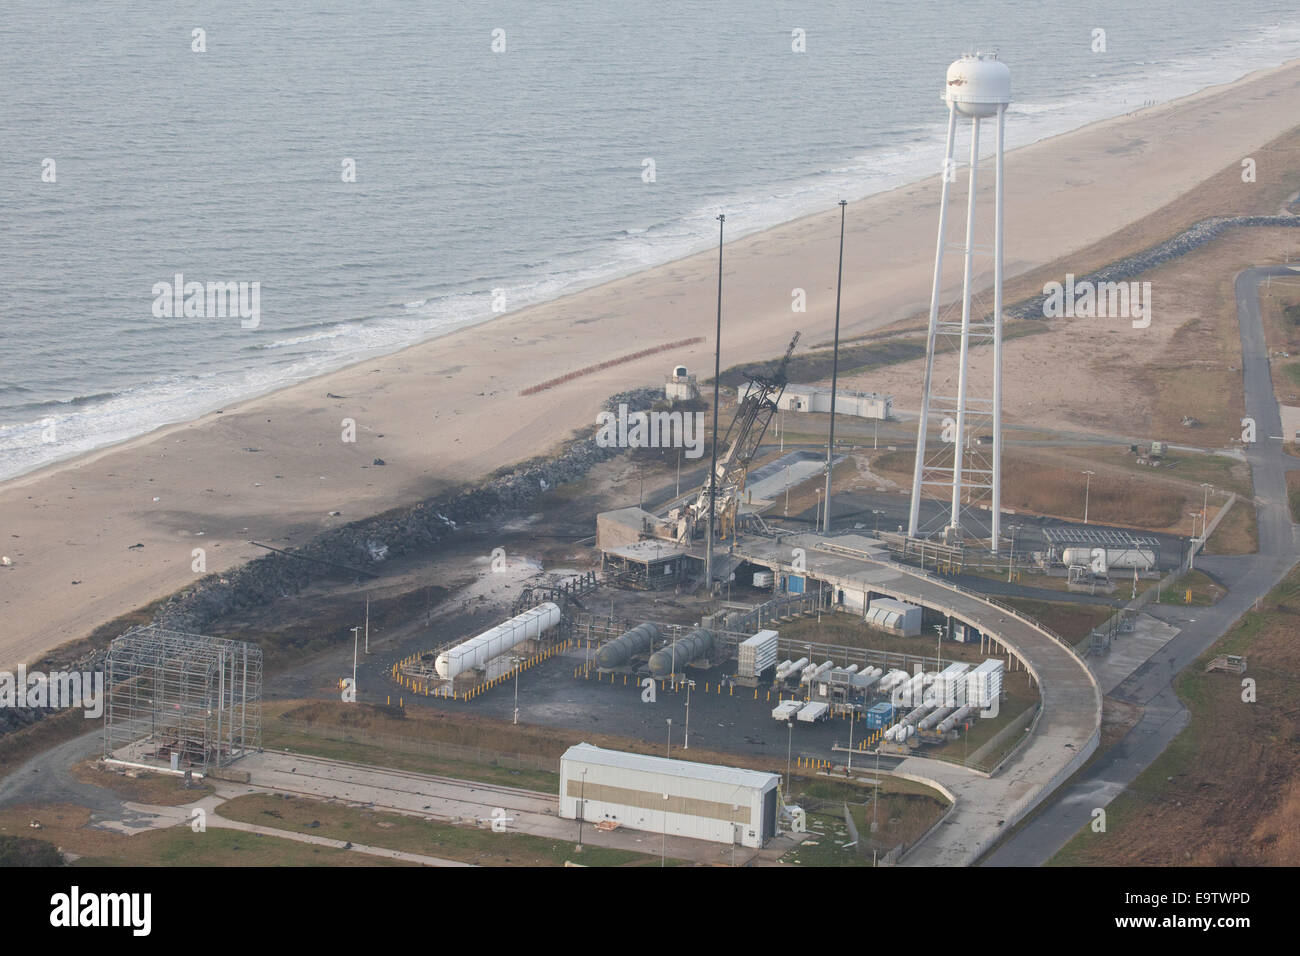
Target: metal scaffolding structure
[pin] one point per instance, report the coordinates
(182, 701)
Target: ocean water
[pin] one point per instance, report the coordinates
(518, 170)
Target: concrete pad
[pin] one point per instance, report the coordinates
(1128, 652)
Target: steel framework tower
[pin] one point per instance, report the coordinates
(960, 470)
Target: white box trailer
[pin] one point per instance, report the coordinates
(814, 711)
(786, 709)
(757, 653)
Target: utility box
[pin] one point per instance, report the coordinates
(880, 715)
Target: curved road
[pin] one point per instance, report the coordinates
(1247, 578)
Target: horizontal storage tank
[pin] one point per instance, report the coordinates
(783, 668)
(668, 660)
(934, 718)
(955, 718)
(640, 640)
(477, 651)
(1144, 559)
(891, 680)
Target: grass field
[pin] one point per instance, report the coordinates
(1226, 792)
(1237, 533)
(1204, 590)
(905, 812)
(1072, 621)
(396, 831)
(158, 789)
(66, 827)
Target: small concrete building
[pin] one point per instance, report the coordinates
(681, 386)
(811, 398)
(899, 617)
(678, 797)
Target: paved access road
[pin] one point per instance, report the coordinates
(1247, 577)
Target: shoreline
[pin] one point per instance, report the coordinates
(239, 404)
(447, 410)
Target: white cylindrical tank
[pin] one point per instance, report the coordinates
(935, 717)
(952, 720)
(477, 651)
(978, 84)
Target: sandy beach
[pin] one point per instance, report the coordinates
(98, 535)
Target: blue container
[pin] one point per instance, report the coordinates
(880, 715)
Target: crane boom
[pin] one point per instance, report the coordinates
(758, 403)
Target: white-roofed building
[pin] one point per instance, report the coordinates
(658, 795)
(896, 616)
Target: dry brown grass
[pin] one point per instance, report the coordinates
(160, 790)
(1227, 790)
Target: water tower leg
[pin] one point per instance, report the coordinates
(968, 261)
(996, 504)
(922, 426)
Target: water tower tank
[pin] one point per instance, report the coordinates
(977, 84)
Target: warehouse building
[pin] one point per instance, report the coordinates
(677, 797)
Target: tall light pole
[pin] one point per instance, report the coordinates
(687, 744)
(663, 857)
(582, 805)
(835, 369)
(367, 623)
(875, 800)
(516, 661)
(1087, 486)
(356, 637)
(717, 374)
(1205, 505)
(789, 745)
(852, 719)
(1012, 562)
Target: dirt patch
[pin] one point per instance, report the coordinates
(157, 789)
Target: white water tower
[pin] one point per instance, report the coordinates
(961, 469)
